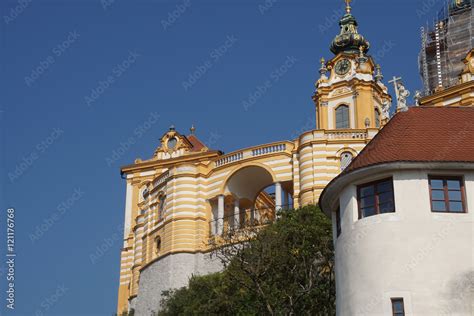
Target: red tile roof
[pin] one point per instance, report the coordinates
(422, 134)
(195, 142)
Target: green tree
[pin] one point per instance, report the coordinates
(286, 268)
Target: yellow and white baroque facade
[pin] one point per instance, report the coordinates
(171, 204)
(185, 196)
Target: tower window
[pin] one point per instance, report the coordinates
(346, 159)
(377, 118)
(375, 198)
(447, 194)
(342, 117)
(398, 307)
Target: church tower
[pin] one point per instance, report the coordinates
(350, 93)
(351, 104)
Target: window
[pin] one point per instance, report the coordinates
(338, 221)
(158, 244)
(398, 308)
(161, 206)
(377, 118)
(447, 194)
(172, 142)
(375, 198)
(342, 117)
(346, 159)
(317, 118)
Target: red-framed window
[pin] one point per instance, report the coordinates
(447, 194)
(375, 198)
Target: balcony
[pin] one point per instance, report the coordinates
(256, 151)
(363, 135)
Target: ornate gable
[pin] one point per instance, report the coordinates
(173, 144)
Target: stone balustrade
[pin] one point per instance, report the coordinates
(268, 149)
(252, 152)
(346, 134)
(337, 135)
(229, 159)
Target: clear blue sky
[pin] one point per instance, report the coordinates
(58, 136)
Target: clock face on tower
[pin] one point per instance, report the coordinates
(342, 67)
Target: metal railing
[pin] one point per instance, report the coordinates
(245, 219)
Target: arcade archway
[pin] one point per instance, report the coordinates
(251, 196)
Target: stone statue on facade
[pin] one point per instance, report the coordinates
(402, 97)
(386, 109)
(417, 97)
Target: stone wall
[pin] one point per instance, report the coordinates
(170, 272)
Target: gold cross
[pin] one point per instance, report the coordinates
(348, 6)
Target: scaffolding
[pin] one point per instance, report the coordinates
(445, 44)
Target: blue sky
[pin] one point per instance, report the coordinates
(90, 85)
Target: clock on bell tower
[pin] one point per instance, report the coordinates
(350, 93)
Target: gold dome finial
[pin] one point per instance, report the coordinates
(192, 129)
(322, 61)
(348, 6)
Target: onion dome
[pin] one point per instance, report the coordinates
(349, 40)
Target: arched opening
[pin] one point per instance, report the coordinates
(342, 117)
(251, 198)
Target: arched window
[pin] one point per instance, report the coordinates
(144, 194)
(158, 244)
(377, 118)
(342, 117)
(346, 159)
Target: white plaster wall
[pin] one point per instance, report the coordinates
(426, 258)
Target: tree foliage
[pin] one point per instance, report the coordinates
(286, 268)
